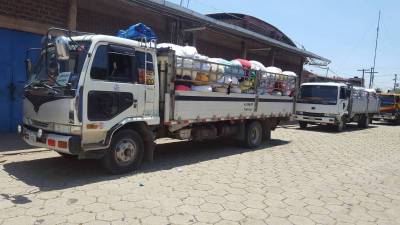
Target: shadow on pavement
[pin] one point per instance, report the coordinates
(331, 129)
(59, 173)
(13, 142)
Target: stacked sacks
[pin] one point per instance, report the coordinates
(248, 79)
(263, 85)
(274, 80)
(199, 73)
(290, 83)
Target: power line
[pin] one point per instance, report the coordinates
(376, 49)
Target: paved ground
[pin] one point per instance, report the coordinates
(302, 177)
(12, 143)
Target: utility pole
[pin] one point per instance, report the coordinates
(395, 83)
(371, 83)
(371, 73)
(363, 76)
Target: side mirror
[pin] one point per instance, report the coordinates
(62, 47)
(28, 68)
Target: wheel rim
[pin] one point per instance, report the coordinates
(125, 151)
(255, 135)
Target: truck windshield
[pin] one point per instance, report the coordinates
(318, 94)
(386, 100)
(55, 73)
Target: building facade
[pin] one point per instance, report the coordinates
(24, 22)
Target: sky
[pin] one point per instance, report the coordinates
(343, 31)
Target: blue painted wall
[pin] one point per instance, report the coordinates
(13, 46)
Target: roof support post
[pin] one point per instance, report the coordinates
(273, 53)
(244, 49)
(73, 11)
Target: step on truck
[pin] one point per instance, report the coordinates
(335, 104)
(110, 98)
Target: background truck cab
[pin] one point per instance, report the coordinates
(335, 104)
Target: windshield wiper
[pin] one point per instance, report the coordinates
(44, 85)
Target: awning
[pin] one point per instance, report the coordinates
(179, 11)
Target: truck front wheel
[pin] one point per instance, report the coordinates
(303, 125)
(254, 135)
(340, 125)
(125, 153)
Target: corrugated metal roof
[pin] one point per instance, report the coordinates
(210, 22)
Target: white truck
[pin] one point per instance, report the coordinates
(109, 98)
(335, 104)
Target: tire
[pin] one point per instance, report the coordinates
(363, 122)
(125, 153)
(303, 125)
(254, 135)
(340, 125)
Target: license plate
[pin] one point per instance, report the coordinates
(32, 137)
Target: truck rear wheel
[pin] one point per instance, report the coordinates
(125, 153)
(363, 122)
(254, 135)
(303, 125)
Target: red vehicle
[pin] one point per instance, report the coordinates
(390, 108)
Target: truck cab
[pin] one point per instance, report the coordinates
(82, 88)
(322, 103)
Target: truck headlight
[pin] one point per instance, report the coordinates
(67, 129)
(40, 133)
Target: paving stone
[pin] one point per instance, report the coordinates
(231, 215)
(152, 220)
(303, 177)
(19, 220)
(109, 215)
(211, 207)
(207, 217)
(81, 217)
(181, 219)
(277, 221)
(300, 220)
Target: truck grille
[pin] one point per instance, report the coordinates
(313, 114)
(40, 124)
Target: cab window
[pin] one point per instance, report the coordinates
(145, 68)
(114, 63)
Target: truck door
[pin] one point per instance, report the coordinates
(146, 69)
(344, 98)
(113, 91)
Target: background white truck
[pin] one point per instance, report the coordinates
(109, 98)
(335, 104)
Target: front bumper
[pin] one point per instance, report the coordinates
(51, 140)
(314, 119)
